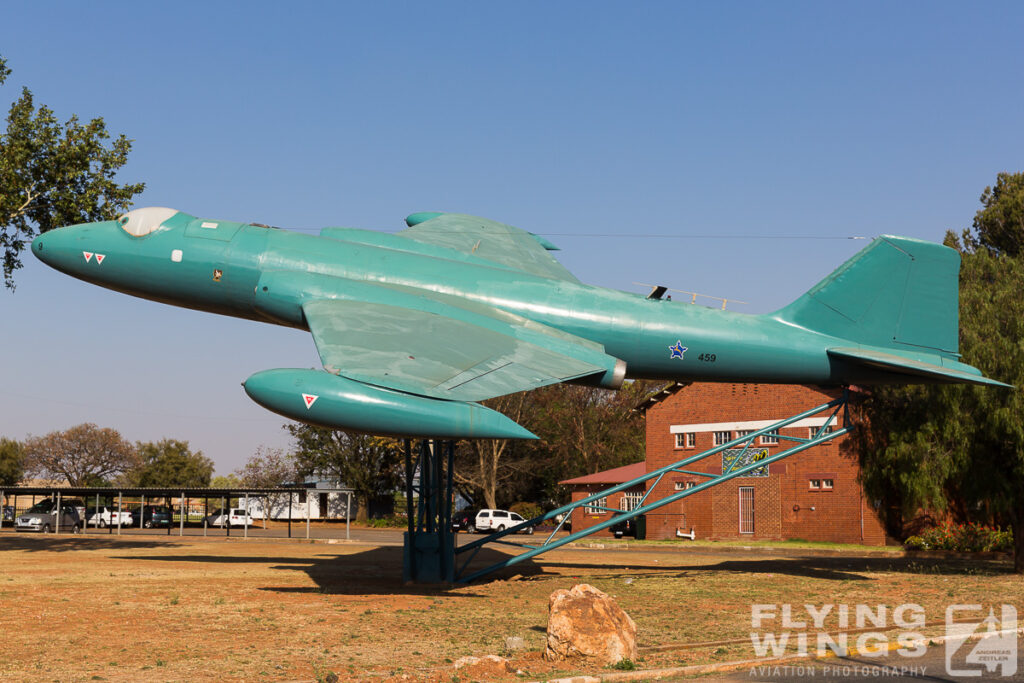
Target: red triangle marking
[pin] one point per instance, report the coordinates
(87, 255)
(99, 258)
(310, 399)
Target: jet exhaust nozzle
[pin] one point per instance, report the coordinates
(327, 400)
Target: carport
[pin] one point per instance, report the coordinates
(126, 499)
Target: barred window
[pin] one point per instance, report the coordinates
(631, 501)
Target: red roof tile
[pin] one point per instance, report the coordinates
(618, 475)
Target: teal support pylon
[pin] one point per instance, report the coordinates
(836, 410)
(429, 555)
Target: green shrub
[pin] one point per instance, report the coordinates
(389, 522)
(527, 510)
(964, 538)
(914, 543)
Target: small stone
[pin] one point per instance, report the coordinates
(513, 643)
(483, 668)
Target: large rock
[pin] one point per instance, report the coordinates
(586, 623)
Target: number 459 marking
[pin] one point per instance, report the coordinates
(707, 357)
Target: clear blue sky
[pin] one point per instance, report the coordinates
(746, 131)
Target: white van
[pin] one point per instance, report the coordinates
(235, 517)
(499, 520)
(105, 516)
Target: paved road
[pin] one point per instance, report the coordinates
(932, 666)
(336, 532)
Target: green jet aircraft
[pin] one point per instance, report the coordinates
(415, 328)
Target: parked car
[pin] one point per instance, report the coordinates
(107, 516)
(465, 520)
(153, 515)
(234, 517)
(43, 517)
(626, 527)
(499, 520)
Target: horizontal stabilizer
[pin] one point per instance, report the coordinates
(890, 362)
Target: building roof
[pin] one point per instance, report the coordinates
(659, 395)
(619, 475)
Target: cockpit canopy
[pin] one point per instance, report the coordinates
(141, 222)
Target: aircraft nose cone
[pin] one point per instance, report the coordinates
(48, 247)
(55, 247)
(71, 248)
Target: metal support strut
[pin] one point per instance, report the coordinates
(741, 464)
(429, 541)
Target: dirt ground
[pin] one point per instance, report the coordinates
(169, 609)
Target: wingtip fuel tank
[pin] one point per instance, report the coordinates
(337, 402)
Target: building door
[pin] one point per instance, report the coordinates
(746, 509)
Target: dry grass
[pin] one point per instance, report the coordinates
(80, 608)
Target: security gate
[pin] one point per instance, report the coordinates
(746, 509)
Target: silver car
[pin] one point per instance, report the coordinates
(43, 517)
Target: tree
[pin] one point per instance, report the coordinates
(960, 449)
(85, 455)
(267, 468)
(370, 465)
(584, 430)
(12, 465)
(54, 174)
(170, 463)
(481, 465)
(226, 481)
(999, 226)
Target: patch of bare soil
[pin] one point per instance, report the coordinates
(81, 608)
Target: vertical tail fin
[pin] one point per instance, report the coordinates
(897, 292)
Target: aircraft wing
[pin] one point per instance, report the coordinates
(489, 240)
(432, 348)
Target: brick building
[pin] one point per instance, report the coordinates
(813, 495)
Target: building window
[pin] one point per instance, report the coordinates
(813, 431)
(595, 506)
(683, 485)
(746, 509)
(722, 438)
(744, 432)
(687, 440)
(815, 484)
(827, 484)
(770, 437)
(631, 501)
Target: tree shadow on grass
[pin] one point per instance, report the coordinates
(377, 571)
(827, 568)
(59, 543)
